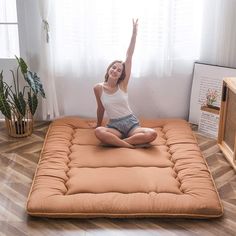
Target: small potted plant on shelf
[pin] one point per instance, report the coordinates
(19, 103)
(211, 98)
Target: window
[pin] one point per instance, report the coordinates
(9, 39)
(169, 31)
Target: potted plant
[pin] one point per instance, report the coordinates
(19, 103)
(211, 98)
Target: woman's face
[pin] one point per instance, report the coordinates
(115, 71)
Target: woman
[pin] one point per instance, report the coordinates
(123, 129)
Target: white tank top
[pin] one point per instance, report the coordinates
(116, 104)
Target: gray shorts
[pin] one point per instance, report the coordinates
(124, 124)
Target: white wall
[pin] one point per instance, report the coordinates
(166, 97)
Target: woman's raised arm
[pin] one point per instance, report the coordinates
(129, 54)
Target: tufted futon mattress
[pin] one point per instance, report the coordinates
(78, 177)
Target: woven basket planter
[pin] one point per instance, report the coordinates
(19, 128)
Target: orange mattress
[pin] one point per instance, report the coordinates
(77, 177)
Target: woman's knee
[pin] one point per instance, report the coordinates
(99, 131)
(151, 135)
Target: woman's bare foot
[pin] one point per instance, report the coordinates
(127, 145)
(143, 145)
(111, 137)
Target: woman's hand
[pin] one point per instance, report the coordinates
(93, 125)
(135, 26)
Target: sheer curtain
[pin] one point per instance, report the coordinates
(49, 107)
(92, 33)
(86, 35)
(219, 33)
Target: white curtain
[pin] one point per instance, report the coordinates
(90, 33)
(86, 35)
(49, 106)
(219, 33)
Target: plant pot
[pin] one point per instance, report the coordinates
(213, 107)
(20, 128)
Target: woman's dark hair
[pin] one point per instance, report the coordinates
(122, 76)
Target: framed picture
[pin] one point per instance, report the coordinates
(206, 88)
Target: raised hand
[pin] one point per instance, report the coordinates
(135, 26)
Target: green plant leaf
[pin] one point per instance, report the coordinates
(22, 64)
(33, 103)
(20, 103)
(12, 100)
(1, 83)
(5, 107)
(34, 82)
(6, 93)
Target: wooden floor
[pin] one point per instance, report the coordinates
(18, 160)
